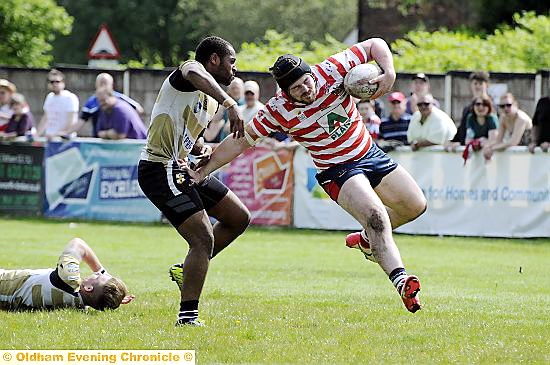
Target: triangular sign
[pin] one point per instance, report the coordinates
(104, 45)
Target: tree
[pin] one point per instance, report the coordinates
(27, 29)
(164, 31)
(523, 48)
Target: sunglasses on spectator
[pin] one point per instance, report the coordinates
(423, 105)
(480, 104)
(504, 105)
(55, 81)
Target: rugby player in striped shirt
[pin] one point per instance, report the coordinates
(314, 109)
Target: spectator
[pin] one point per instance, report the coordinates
(429, 125)
(218, 128)
(6, 91)
(540, 135)
(90, 111)
(117, 119)
(393, 130)
(514, 129)
(420, 85)
(371, 120)
(60, 108)
(481, 123)
(252, 102)
(479, 83)
(21, 121)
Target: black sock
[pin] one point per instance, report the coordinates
(189, 310)
(397, 277)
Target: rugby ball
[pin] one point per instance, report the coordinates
(356, 82)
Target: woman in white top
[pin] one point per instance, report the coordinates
(514, 128)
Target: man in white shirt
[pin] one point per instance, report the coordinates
(60, 107)
(6, 91)
(429, 125)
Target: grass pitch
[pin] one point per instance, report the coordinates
(297, 297)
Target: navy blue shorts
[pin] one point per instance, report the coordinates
(374, 165)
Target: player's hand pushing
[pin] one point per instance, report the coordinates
(236, 122)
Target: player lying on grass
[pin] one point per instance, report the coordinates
(313, 108)
(63, 287)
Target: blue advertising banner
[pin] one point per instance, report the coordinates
(97, 180)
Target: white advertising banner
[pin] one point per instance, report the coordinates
(508, 196)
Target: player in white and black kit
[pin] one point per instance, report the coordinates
(313, 108)
(188, 99)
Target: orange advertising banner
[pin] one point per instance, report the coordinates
(263, 179)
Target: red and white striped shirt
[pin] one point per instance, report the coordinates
(330, 128)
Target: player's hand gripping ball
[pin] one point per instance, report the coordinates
(356, 82)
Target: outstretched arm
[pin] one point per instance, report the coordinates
(79, 248)
(224, 153)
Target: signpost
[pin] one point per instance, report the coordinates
(103, 51)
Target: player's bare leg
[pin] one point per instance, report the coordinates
(359, 199)
(198, 233)
(404, 202)
(232, 219)
(402, 197)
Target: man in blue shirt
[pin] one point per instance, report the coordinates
(90, 110)
(117, 119)
(393, 130)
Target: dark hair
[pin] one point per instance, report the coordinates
(482, 76)
(210, 45)
(486, 100)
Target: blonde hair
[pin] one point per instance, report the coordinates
(114, 292)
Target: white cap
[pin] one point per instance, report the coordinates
(252, 86)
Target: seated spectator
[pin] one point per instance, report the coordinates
(252, 103)
(371, 120)
(218, 128)
(21, 121)
(60, 108)
(117, 119)
(430, 125)
(6, 91)
(90, 110)
(514, 129)
(420, 85)
(540, 135)
(393, 130)
(479, 84)
(481, 123)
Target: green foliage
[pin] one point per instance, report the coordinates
(287, 296)
(261, 55)
(27, 29)
(523, 48)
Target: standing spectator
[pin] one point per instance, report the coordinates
(540, 135)
(60, 108)
(430, 125)
(6, 91)
(252, 103)
(420, 85)
(371, 120)
(514, 129)
(393, 130)
(117, 119)
(479, 84)
(21, 121)
(219, 127)
(90, 110)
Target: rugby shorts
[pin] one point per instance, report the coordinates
(374, 165)
(171, 190)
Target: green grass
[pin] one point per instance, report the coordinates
(297, 296)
